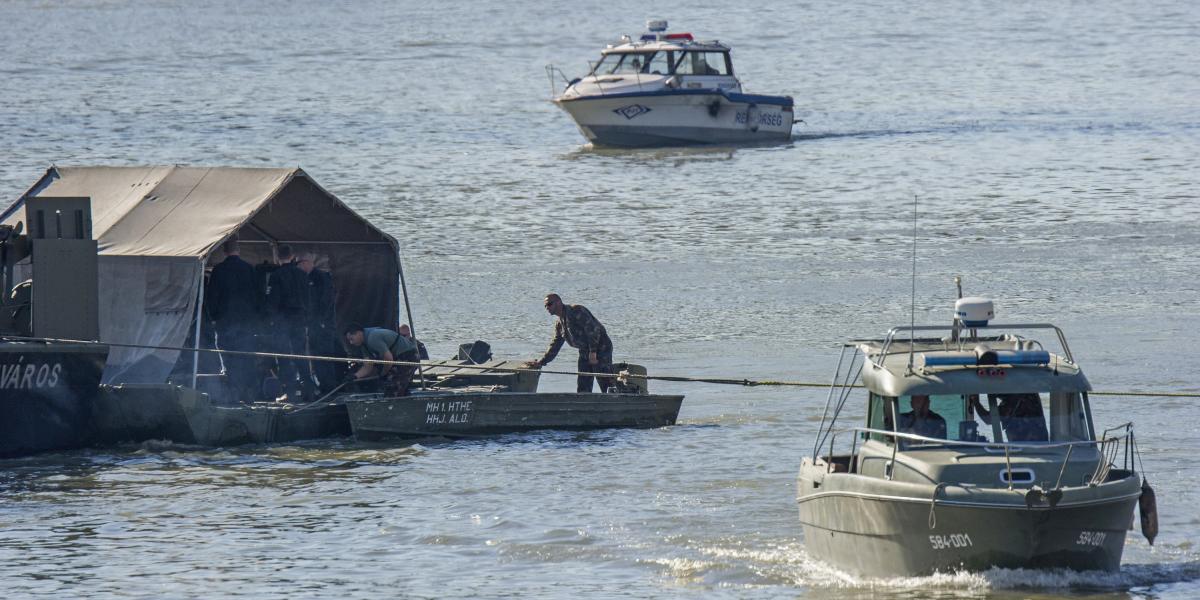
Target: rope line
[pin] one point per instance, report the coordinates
(675, 378)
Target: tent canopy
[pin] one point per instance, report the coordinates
(157, 227)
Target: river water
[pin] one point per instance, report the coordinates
(1049, 148)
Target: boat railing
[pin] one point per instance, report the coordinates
(957, 328)
(1110, 449)
(551, 71)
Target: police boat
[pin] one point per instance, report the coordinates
(667, 89)
(977, 450)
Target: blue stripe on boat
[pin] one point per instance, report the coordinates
(730, 96)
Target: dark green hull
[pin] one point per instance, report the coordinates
(137, 413)
(477, 414)
(881, 528)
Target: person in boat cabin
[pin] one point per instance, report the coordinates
(1020, 416)
(379, 343)
(922, 421)
(581, 330)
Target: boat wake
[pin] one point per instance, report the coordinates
(789, 564)
(1131, 577)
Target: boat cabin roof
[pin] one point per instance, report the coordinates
(673, 44)
(996, 365)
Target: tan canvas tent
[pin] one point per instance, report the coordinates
(158, 227)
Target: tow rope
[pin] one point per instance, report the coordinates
(625, 375)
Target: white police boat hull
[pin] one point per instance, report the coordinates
(680, 117)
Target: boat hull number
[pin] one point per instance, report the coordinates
(950, 541)
(455, 412)
(1091, 538)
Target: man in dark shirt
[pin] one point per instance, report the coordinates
(922, 421)
(1021, 416)
(378, 343)
(235, 305)
(578, 328)
(287, 296)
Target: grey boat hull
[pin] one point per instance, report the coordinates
(478, 414)
(880, 528)
(137, 413)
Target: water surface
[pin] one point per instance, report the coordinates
(1049, 148)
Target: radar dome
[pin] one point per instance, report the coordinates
(974, 311)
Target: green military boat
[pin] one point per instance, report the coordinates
(996, 462)
(468, 400)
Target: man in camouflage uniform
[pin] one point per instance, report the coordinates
(577, 327)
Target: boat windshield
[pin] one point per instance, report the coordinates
(631, 62)
(1012, 418)
(703, 63)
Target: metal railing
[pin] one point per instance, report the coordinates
(1109, 447)
(891, 335)
(551, 70)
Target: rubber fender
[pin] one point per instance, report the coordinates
(1148, 510)
(714, 108)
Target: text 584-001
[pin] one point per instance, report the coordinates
(953, 540)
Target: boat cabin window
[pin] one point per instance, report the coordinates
(703, 63)
(622, 64)
(1069, 420)
(1023, 418)
(1015, 418)
(879, 409)
(939, 416)
(659, 63)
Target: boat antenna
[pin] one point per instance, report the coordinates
(912, 309)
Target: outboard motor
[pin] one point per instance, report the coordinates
(478, 352)
(625, 384)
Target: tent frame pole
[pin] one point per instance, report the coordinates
(199, 319)
(412, 327)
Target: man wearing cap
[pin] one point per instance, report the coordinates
(578, 328)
